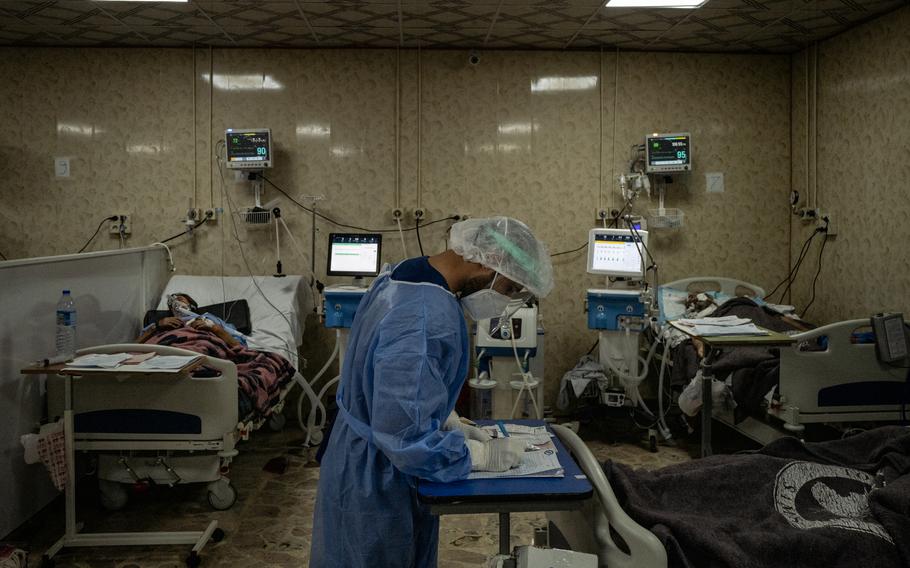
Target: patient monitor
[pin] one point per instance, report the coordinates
(618, 253)
(668, 153)
(248, 148)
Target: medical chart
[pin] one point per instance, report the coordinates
(540, 463)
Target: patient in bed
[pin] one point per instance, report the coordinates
(184, 312)
(261, 375)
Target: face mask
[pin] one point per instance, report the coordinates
(179, 307)
(485, 304)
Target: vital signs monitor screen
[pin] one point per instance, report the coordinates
(248, 149)
(616, 252)
(354, 254)
(668, 153)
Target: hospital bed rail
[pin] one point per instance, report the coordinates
(639, 548)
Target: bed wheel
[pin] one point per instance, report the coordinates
(113, 494)
(217, 535)
(277, 421)
(193, 560)
(222, 495)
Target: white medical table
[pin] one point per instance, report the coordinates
(73, 537)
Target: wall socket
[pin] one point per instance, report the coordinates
(827, 220)
(124, 220)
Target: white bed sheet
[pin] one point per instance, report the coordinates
(271, 331)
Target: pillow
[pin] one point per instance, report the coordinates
(235, 312)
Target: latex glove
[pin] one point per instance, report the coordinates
(453, 422)
(500, 454)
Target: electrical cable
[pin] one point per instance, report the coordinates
(795, 268)
(584, 246)
(246, 263)
(95, 234)
(621, 211)
(417, 231)
(346, 226)
(3, 256)
(818, 272)
(185, 232)
(593, 347)
(798, 265)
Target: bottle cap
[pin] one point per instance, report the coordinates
(66, 291)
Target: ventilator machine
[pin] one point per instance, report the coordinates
(358, 256)
(508, 371)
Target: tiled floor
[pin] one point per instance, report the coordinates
(271, 523)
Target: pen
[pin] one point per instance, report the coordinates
(502, 428)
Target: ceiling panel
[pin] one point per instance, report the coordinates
(766, 26)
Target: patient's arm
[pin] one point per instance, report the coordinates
(162, 324)
(201, 323)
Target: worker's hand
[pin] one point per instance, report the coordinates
(170, 322)
(453, 422)
(501, 454)
(201, 323)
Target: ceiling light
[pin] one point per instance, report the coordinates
(654, 3)
(560, 83)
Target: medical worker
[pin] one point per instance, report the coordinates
(406, 362)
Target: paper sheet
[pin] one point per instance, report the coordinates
(100, 360)
(543, 463)
(165, 362)
(728, 325)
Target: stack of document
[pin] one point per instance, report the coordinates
(99, 360)
(165, 362)
(117, 362)
(715, 327)
(540, 463)
(539, 460)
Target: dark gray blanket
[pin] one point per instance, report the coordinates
(830, 504)
(755, 369)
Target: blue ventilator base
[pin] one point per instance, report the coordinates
(341, 305)
(505, 495)
(606, 307)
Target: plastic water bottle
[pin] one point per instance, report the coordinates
(66, 326)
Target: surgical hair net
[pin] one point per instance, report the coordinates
(507, 246)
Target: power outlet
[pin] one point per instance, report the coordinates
(211, 215)
(601, 215)
(826, 220)
(420, 213)
(397, 214)
(123, 224)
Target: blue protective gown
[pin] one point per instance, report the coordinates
(406, 362)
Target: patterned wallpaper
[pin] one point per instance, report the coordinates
(536, 135)
(863, 124)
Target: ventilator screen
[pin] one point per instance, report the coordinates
(352, 254)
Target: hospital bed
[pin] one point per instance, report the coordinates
(828, 376)
(173, 431)
(604, 528)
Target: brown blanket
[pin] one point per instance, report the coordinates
(261, 374)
